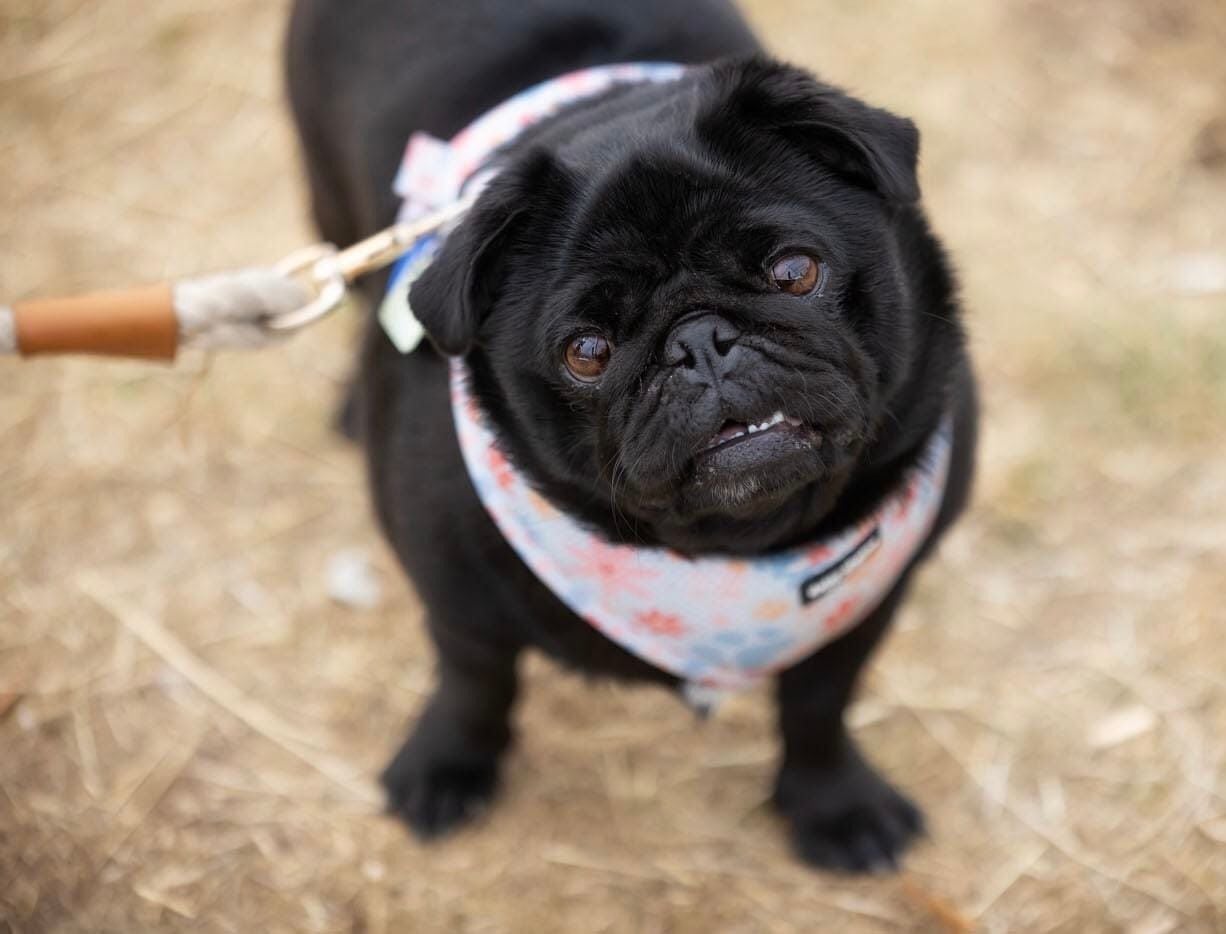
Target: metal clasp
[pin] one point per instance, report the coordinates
(327, 272)
(318, 266)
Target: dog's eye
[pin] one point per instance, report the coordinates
(587, 355)
(796, 274)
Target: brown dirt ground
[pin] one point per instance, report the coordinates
(188, 725)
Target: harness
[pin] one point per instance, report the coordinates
(718, 623)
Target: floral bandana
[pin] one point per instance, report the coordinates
(434, 173)
(718, 623)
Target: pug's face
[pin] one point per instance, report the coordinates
(685, 311)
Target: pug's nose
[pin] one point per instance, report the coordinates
(705, 345)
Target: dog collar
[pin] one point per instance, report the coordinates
(718, 623)
(434, 173)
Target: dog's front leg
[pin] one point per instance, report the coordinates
(843, 815)
(447, 770)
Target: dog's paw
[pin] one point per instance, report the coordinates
(847, 819)
(435, 797)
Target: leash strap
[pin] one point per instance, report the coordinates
(238, 309)
(129, 323)
(254, 308)
(235, 309)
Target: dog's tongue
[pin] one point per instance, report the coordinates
(728, 432)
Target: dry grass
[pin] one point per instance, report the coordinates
(188, 726)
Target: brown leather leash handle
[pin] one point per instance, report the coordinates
(242, 308)
(138, 322)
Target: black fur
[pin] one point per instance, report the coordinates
(651, 215)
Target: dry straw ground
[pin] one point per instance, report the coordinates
(189, 726)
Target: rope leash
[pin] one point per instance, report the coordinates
(240, 309)
(253, 308)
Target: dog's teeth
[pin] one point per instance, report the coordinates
(767, 423)
(777, 419)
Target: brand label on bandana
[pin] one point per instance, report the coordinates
(821, 584)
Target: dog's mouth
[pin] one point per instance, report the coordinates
(774, 428)
(747, 466)
(746, 469)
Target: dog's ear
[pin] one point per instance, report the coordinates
(459, 287)
(462, 284)
(870, 146)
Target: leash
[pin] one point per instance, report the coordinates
(239, 309)
(253, 308)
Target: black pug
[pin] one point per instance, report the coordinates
(638, 283)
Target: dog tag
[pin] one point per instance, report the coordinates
(396, 314)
